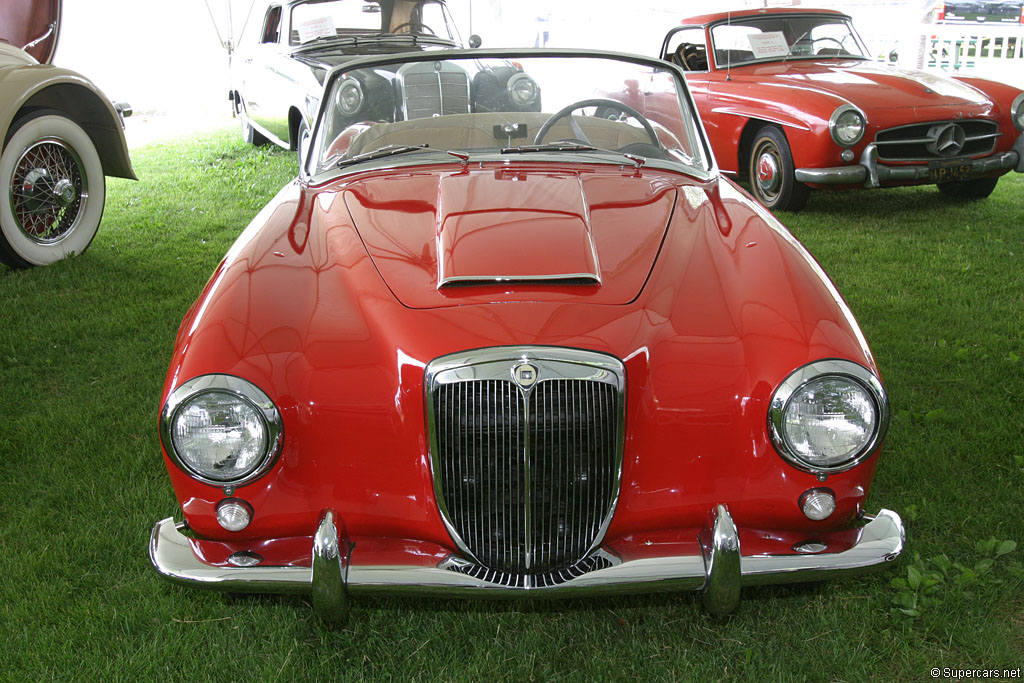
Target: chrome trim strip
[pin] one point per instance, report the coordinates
(483, 280)
(172, 556)
(872, 174)
(880, 543)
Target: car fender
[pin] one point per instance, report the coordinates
(29, 86)
(802, 114)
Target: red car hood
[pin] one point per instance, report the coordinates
(533, 233)
(23, 21)
(869, 85)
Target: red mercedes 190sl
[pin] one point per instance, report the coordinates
(792, 102)
(492, 352)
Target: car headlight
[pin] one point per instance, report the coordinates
(828, 416)
(847, 125)
(221, 430)
(350, 96)
(522, 89)
(1017, 111)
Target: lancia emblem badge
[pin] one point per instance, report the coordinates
(525, 375)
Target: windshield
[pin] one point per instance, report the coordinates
(340, 18)
(784, 37)
(448, 108)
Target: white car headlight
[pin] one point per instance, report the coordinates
(847, 125)
(1017, 111)
(522, 89)
(828, 416)
(350, 96)
(221, 429)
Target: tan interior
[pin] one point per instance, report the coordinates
(476, 131)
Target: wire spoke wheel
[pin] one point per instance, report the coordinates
(52, 190)
(49, 191)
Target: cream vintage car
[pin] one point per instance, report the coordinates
(61, 136)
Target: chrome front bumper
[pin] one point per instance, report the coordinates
(870, 173)
(719, 571)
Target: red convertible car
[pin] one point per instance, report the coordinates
(791, 101)
(485, 352)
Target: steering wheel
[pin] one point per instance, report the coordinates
(828, 38)
(685, 56)
(596, 102)
(423, 27)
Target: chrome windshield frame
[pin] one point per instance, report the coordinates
(744, 19)
(707, 171)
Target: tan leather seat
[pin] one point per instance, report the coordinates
(476, 131)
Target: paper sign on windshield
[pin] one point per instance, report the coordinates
(314, 28)
(768, 44)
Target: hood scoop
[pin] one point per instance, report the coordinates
(514, 227)
(506, 234)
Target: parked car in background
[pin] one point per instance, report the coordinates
(491, 351)
(278, 68)
(984, 11)
(60, 135)
(792, 101)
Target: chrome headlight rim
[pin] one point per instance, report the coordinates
(340, 99)
(817, 370)
(241, 389)
(833, 124)
(1017, 112)
(514, 80)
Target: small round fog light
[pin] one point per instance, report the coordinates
(818, 504)
(847, 155)
(807, 547)
(234, 514)
(244, 558)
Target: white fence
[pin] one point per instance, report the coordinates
(986, 50)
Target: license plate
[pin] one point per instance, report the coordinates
(948, 170)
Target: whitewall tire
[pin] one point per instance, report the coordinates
(52, 190)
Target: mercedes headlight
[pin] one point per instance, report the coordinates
(222, 430)
(1017, 111)
(350, 96)
(847, 125)
(522, 89)
(828, 416)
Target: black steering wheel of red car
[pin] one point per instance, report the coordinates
(602, 103)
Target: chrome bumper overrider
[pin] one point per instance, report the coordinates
(870, 173)
(719, 571)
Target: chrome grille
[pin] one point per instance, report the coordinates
(433, 89)
(526, 478)
(916, 142)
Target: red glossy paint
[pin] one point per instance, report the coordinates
(334, 310)
(800, 95)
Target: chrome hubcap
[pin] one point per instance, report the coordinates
(49, 191)
(768, 177)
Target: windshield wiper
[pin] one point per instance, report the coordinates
(388, 151)
(572, 147)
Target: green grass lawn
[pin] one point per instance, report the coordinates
(84, 345)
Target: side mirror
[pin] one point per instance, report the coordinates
(475, 41)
